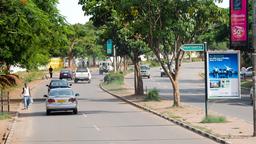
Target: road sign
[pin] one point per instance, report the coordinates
(109, 46)
(192, 47)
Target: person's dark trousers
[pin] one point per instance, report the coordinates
(50, 75)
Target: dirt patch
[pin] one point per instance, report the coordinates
(235, 130)
(15, 98)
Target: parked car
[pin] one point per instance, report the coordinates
(162, 72)
(145, 70)
(57, 83)
(82, 74)
(61, 99)
(66, 74)
(105, 66)
(246, 72)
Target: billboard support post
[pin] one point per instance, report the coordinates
(206, 77)
(254, 68)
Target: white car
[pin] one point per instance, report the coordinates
(246, 72)
(83, 74)
(145, 71)
(61, 99)
(162, 72)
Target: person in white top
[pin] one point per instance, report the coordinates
(26, 96)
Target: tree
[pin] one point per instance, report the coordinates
(114, 17)
(163, 25)
(29, 30)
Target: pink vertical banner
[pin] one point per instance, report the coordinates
(238, 23)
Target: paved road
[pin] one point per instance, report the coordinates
(102, 119)
(192, 91)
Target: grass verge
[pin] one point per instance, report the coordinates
(214, 119)
(31, 76)
(4, 116)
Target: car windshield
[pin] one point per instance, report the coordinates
(60, 83)
(62, 92)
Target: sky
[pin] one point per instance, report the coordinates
(72, 11)
(74, 14)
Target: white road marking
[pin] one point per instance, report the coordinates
(97, 128)
(84, 115)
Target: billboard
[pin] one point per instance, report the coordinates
(223, 75)
(238, 24)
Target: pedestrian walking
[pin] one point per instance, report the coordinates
(26, 96)
(50, 71)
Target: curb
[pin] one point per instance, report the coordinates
(10, 130)
(180, 123)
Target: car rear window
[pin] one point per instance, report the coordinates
(144, 67)
(65, 71)
(59, 83)
(62, 92)
(82, 70)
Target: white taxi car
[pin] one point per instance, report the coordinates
(61, 99)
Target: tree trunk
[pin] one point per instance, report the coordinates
(94, 60)
(176, 93)
(139, 83)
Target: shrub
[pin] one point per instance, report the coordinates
(117, 78)
(152, 95)
(214, 119)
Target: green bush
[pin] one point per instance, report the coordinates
(152, 95)
(214, 119)
(117, 78)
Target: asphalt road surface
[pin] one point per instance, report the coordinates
(192, 90)
(102, 119)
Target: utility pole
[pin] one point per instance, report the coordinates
(254, 67)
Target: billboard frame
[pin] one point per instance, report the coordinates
(222, 80)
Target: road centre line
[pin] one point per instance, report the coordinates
(97, 128)
(85, 115)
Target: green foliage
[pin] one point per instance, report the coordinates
(4, 116)
(214, 119)
(117, 78)
(86, 38)
(31, 31)
(152, 95)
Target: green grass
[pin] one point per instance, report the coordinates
(113, 86)
(31, 76)
(214, 119)
(152, 95)
(4, 116)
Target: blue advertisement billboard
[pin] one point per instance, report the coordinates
(223, 72)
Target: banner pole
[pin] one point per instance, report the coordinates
(206, 78)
